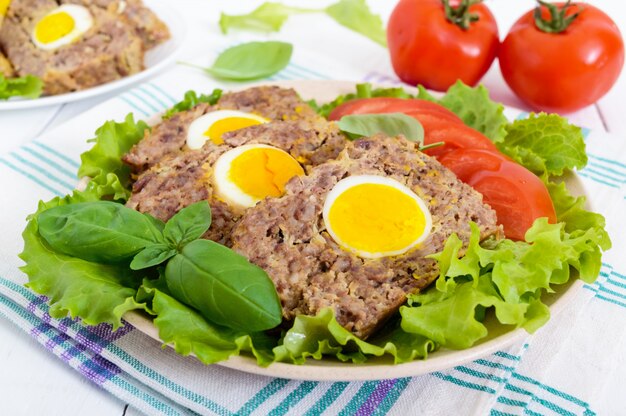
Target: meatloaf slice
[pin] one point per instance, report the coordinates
(5, 67)
(169, 136)
(183, 178)
(109, 50)
(287, 237)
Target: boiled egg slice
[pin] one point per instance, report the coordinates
(213, 125)
(375, 216)
(247, 174)
(61, 26)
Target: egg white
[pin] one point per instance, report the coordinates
(83, 21)
(351, 181)
(227, 190)
(195, 134)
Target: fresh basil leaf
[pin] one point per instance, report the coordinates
(191, 100)
(152, 256)
(224, 286)
(391, 124)
(29, 86)
(252, 60)
(94, 292)
(545, 143)
(268, 17)
(474, 107)
(356, 15)
(100, 231)
(188, 224)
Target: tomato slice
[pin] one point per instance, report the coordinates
(380, 105)
(455, 136)
(515, 193)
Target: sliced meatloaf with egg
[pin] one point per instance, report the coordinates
(274, 103)
(184, 177)
(286, 236)
(112, 48)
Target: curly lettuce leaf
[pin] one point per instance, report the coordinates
(192, 99)
(474, 107)
(94, 292)
(29, 86)
(112, 141)
(546, 144)
(509, 278)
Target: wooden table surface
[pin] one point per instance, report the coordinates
(32, 380)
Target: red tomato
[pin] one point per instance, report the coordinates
(566, 71)
(515, 193)
(455, 136)
(380, 105)
(429, 49)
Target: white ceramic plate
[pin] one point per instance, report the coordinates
(499, 337)
(155, 60)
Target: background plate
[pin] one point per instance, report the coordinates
(155, 60)
(378, 368)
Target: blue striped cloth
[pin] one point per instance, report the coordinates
(570, 367)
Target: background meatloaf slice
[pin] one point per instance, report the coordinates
(110, 50)
(183, 178)
(286, 236)
(170, 135)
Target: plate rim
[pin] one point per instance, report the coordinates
(331, 370)
(178, 30)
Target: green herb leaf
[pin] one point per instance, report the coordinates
(251, 60)
(391, 124)
(112, 141)
(546, 144)
(94, 292)
(191, 100)
(224, 286)
(188, 224)
(268, 17)
(152, 256)
(99, 231)
(29, 86)
(356, 15)
(474, 107)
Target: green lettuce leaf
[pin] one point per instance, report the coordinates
(474, 107)
(192, 99)
(94, 292)
(546, 144)
(509, 278)
(112, 141)
(268, 17)
(356, 15)
(29, 86)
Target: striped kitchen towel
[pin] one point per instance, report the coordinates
(571, 366)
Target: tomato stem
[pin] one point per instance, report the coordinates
(557, 22)
(460, 15)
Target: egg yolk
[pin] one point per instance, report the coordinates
(376, 218)
(53, 27)
(4, 6)
(225, 125)
(263, 172)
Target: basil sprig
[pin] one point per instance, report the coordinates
(221, 284)
(252, 60)
(391, 124)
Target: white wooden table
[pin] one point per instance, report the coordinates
(32, 380)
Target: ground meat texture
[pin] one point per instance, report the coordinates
(111, 49)
(5, 66)
(182, 179)
(169, 137)
(286, 236)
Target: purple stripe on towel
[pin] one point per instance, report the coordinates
(99, 369)
(377, 396)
